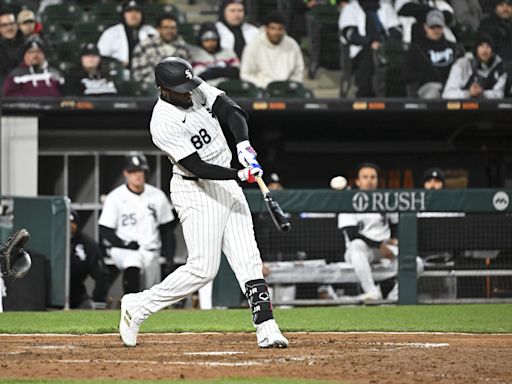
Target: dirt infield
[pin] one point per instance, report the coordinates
(349, 357)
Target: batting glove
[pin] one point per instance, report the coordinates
(250, 173)
(246, 153)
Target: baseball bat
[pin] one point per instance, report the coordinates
(276, 213)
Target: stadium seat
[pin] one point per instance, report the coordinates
(508, 87)
(105, 13)
(69, 51)
(240, 88)
(88, 32)
(65, 15)
(56, 34)
(152, 11)
(288, 89)
(324, 41)
(132, 88)
(190, 32)
(116, 70)
(394, 54)
(465, 37)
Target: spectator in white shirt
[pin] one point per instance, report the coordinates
(479, 74)
(365, 25)
(234, 32)
(272, 56)
(120, 40)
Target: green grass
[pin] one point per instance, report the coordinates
(485, 318)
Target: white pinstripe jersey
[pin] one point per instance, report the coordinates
(180, 132)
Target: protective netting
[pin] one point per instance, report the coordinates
(465, 257)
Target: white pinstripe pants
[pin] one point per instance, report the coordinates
(216, 218)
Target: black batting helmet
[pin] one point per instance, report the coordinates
(176, 74)
(136, 161)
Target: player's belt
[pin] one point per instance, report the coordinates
(193, 178)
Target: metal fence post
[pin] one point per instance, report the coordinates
(408, 250)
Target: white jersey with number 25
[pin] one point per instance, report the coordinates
(136, 217)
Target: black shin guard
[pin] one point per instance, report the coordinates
(131, 280)
(258, 296)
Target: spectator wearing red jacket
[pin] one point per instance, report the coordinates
(33, 77)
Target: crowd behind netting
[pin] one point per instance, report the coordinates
(428, 49)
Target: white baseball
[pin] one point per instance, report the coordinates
(339, 183)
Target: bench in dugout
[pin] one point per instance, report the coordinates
(465, 258)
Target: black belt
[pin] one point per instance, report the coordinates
(193, 178)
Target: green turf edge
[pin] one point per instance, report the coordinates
(232, 380)
(473, 318)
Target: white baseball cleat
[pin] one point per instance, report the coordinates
(269, 335)
(128, 329)
(371, 297)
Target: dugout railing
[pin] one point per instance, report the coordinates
(462, 236)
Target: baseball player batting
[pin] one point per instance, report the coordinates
(186, 125)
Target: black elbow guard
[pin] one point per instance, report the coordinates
(223, 105)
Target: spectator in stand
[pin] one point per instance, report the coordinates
(479, 74)
(433, 178)
(468, 13)
(120, 40)
(499, 25)
(487, 6)
(366, 25)
(272, 55)
(149, 52)
(428, 61)
(33, 77)
(413, 14)
(92, 78)
(86, 260)
(234, 32)
(210, 61)
(30, 28)
(11, 43)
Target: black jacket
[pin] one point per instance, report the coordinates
(430, 61)
(86, 259)
(99, 83)
(501, 32)
(10, 54)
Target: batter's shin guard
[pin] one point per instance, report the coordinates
(257, 294)
(131, 280)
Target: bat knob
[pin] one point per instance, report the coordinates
(286, 227)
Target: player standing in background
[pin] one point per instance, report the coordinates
(186, 125)
(368, 236)
(135, 224)
(433, 178)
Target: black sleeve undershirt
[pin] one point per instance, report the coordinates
(168, 240)
(110, 239)
(353, 233)
(232, 115)
(198, 167)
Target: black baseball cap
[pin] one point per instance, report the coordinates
(132, 4)
(33, 42)
(89, 49)
(433, 173)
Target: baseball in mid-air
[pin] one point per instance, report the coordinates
(338, 183)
